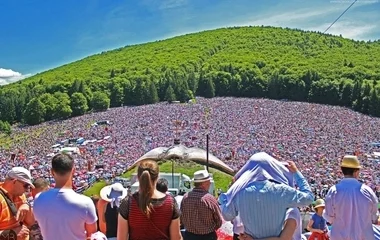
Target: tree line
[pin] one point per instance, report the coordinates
(258, 62)
(37, 102)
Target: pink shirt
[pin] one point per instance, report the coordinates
(351, 207)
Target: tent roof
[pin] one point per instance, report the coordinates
(187, 154)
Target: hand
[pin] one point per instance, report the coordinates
(21, 232)
(292, 167)
(22, 212)
(320, 231)
(244, 236)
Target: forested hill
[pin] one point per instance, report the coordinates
(243, 61)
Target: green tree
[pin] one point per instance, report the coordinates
(100, 101)
(170, 95)
(50, 103)
(34, 112)
(152, 96)
(79, 104)
(63, 108)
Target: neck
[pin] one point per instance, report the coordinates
(64, 182)
(349, 176)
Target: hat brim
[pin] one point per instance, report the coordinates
(320, 205)
(28, 182)
(201, 180)
(107, 190)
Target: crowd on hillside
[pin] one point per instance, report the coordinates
(310, 134)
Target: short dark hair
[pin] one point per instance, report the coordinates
(162, 185)
(62, 163)
(348, 171)
(41, 183)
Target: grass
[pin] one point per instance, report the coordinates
(222, 180)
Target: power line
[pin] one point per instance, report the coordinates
(340, 16)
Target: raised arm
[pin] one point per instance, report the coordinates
(297, 198)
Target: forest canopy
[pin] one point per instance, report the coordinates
(257, 62)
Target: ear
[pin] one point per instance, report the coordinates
(52, 172)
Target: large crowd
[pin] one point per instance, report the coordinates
(314, 136)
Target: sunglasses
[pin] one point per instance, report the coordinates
(25, 185)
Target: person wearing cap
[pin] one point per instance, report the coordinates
(61, 212)
(112, 194)
(351, 206)
(317, 224)
(16, 214)
(200, 210)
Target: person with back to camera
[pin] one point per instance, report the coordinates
(148, 214)
(61, 212)
(351, 206)
(201, 215)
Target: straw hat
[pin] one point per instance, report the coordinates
(319, 203)
(350, 161)
(114, 191)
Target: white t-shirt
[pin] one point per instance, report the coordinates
(62, 214)
(294, 213)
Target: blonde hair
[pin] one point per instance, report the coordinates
(147, 174)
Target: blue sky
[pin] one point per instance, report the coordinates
(38, 35)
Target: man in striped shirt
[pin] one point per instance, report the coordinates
(262, 193)
(201, 215)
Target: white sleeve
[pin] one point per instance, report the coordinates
(91, 216)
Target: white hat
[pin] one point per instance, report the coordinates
(98, 236)
(201, 176)
(21, 174)
(110, 192)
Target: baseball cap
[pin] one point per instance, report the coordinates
(21, 174)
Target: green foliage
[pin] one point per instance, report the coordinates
(78, 104)
(241, 61)
(100, 101)
(34, 112)
(5, 127)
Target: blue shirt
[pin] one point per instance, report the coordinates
(318, 222)
(262, 205)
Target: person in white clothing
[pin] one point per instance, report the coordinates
(351, 206)
(62, 213)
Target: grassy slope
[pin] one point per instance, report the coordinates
(292, 49)
(222, 180)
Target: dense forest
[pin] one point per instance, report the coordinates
(242, 61)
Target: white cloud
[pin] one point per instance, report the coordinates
(9, 76)
(292, 18)
(349, 29)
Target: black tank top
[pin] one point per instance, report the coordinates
(111, 221)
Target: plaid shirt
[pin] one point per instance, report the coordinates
(200, 212)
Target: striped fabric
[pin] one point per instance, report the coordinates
(200, 212)
(157, 227)
(7, 220)
(262, 205)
